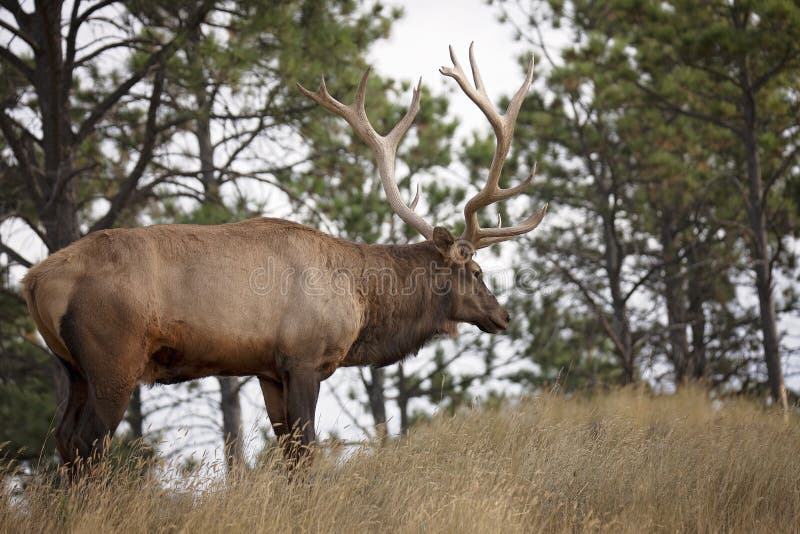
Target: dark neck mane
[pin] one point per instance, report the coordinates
(399, 319)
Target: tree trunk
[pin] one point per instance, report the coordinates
(206, 154)
(58, 204)
(57, 208)
(698, 293)
(674, 297)
(402, 399)
(620, 324)
(60, 222)
(761, 255)
(231, 420)
(377, 401)
(135, 416)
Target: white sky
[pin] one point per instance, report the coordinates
(418, 46)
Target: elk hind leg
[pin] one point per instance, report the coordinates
(99, 420)
(110, 366)
(76, 400)
(88, 423)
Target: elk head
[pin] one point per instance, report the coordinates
(471, 301)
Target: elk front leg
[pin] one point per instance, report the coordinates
(276, 407)
(302, 392)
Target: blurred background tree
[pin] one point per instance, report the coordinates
(666, 135)
(670, 131)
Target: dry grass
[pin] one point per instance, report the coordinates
(618, 462)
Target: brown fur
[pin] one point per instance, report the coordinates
(176, 302)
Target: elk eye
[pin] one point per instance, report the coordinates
(476, 274)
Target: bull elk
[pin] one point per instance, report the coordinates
(170, 303)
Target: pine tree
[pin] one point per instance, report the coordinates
(641, 116)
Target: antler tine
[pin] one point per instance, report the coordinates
(485, 237)
(360, 102)
(400, 129)
(494, 235)
(413, 204)
(476, 74)
(516, 101)
(503, 126)
(506, 193)
(384, 148)
(323, 98)
(476, 94)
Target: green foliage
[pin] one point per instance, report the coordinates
(640, 131)
(27, 405)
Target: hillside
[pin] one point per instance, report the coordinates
(618, 462)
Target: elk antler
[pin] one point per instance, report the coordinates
(503, 126)
(383, 147)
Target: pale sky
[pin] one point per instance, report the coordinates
(419, 42)
(418, 46)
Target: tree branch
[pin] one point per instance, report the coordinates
(14, 255)
(20, 154)
(17, 63)
(69, 58)
(110, 100)
(592, 304)
(35, 229)
(641, 281)
(668, 104)
(15, 9)
(156, 58)
(83, 17)
(128, 187)
(347, 412)
(787, 162)
(126, 43)
(774, 71)
(18, 33)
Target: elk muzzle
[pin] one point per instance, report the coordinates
(495, 322)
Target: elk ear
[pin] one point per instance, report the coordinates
(462, 251)
(452, 249)
(443, 240)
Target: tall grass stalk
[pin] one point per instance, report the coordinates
(620, 462)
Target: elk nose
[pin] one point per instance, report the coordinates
(506, 317)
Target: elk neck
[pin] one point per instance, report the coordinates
(402, 307)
